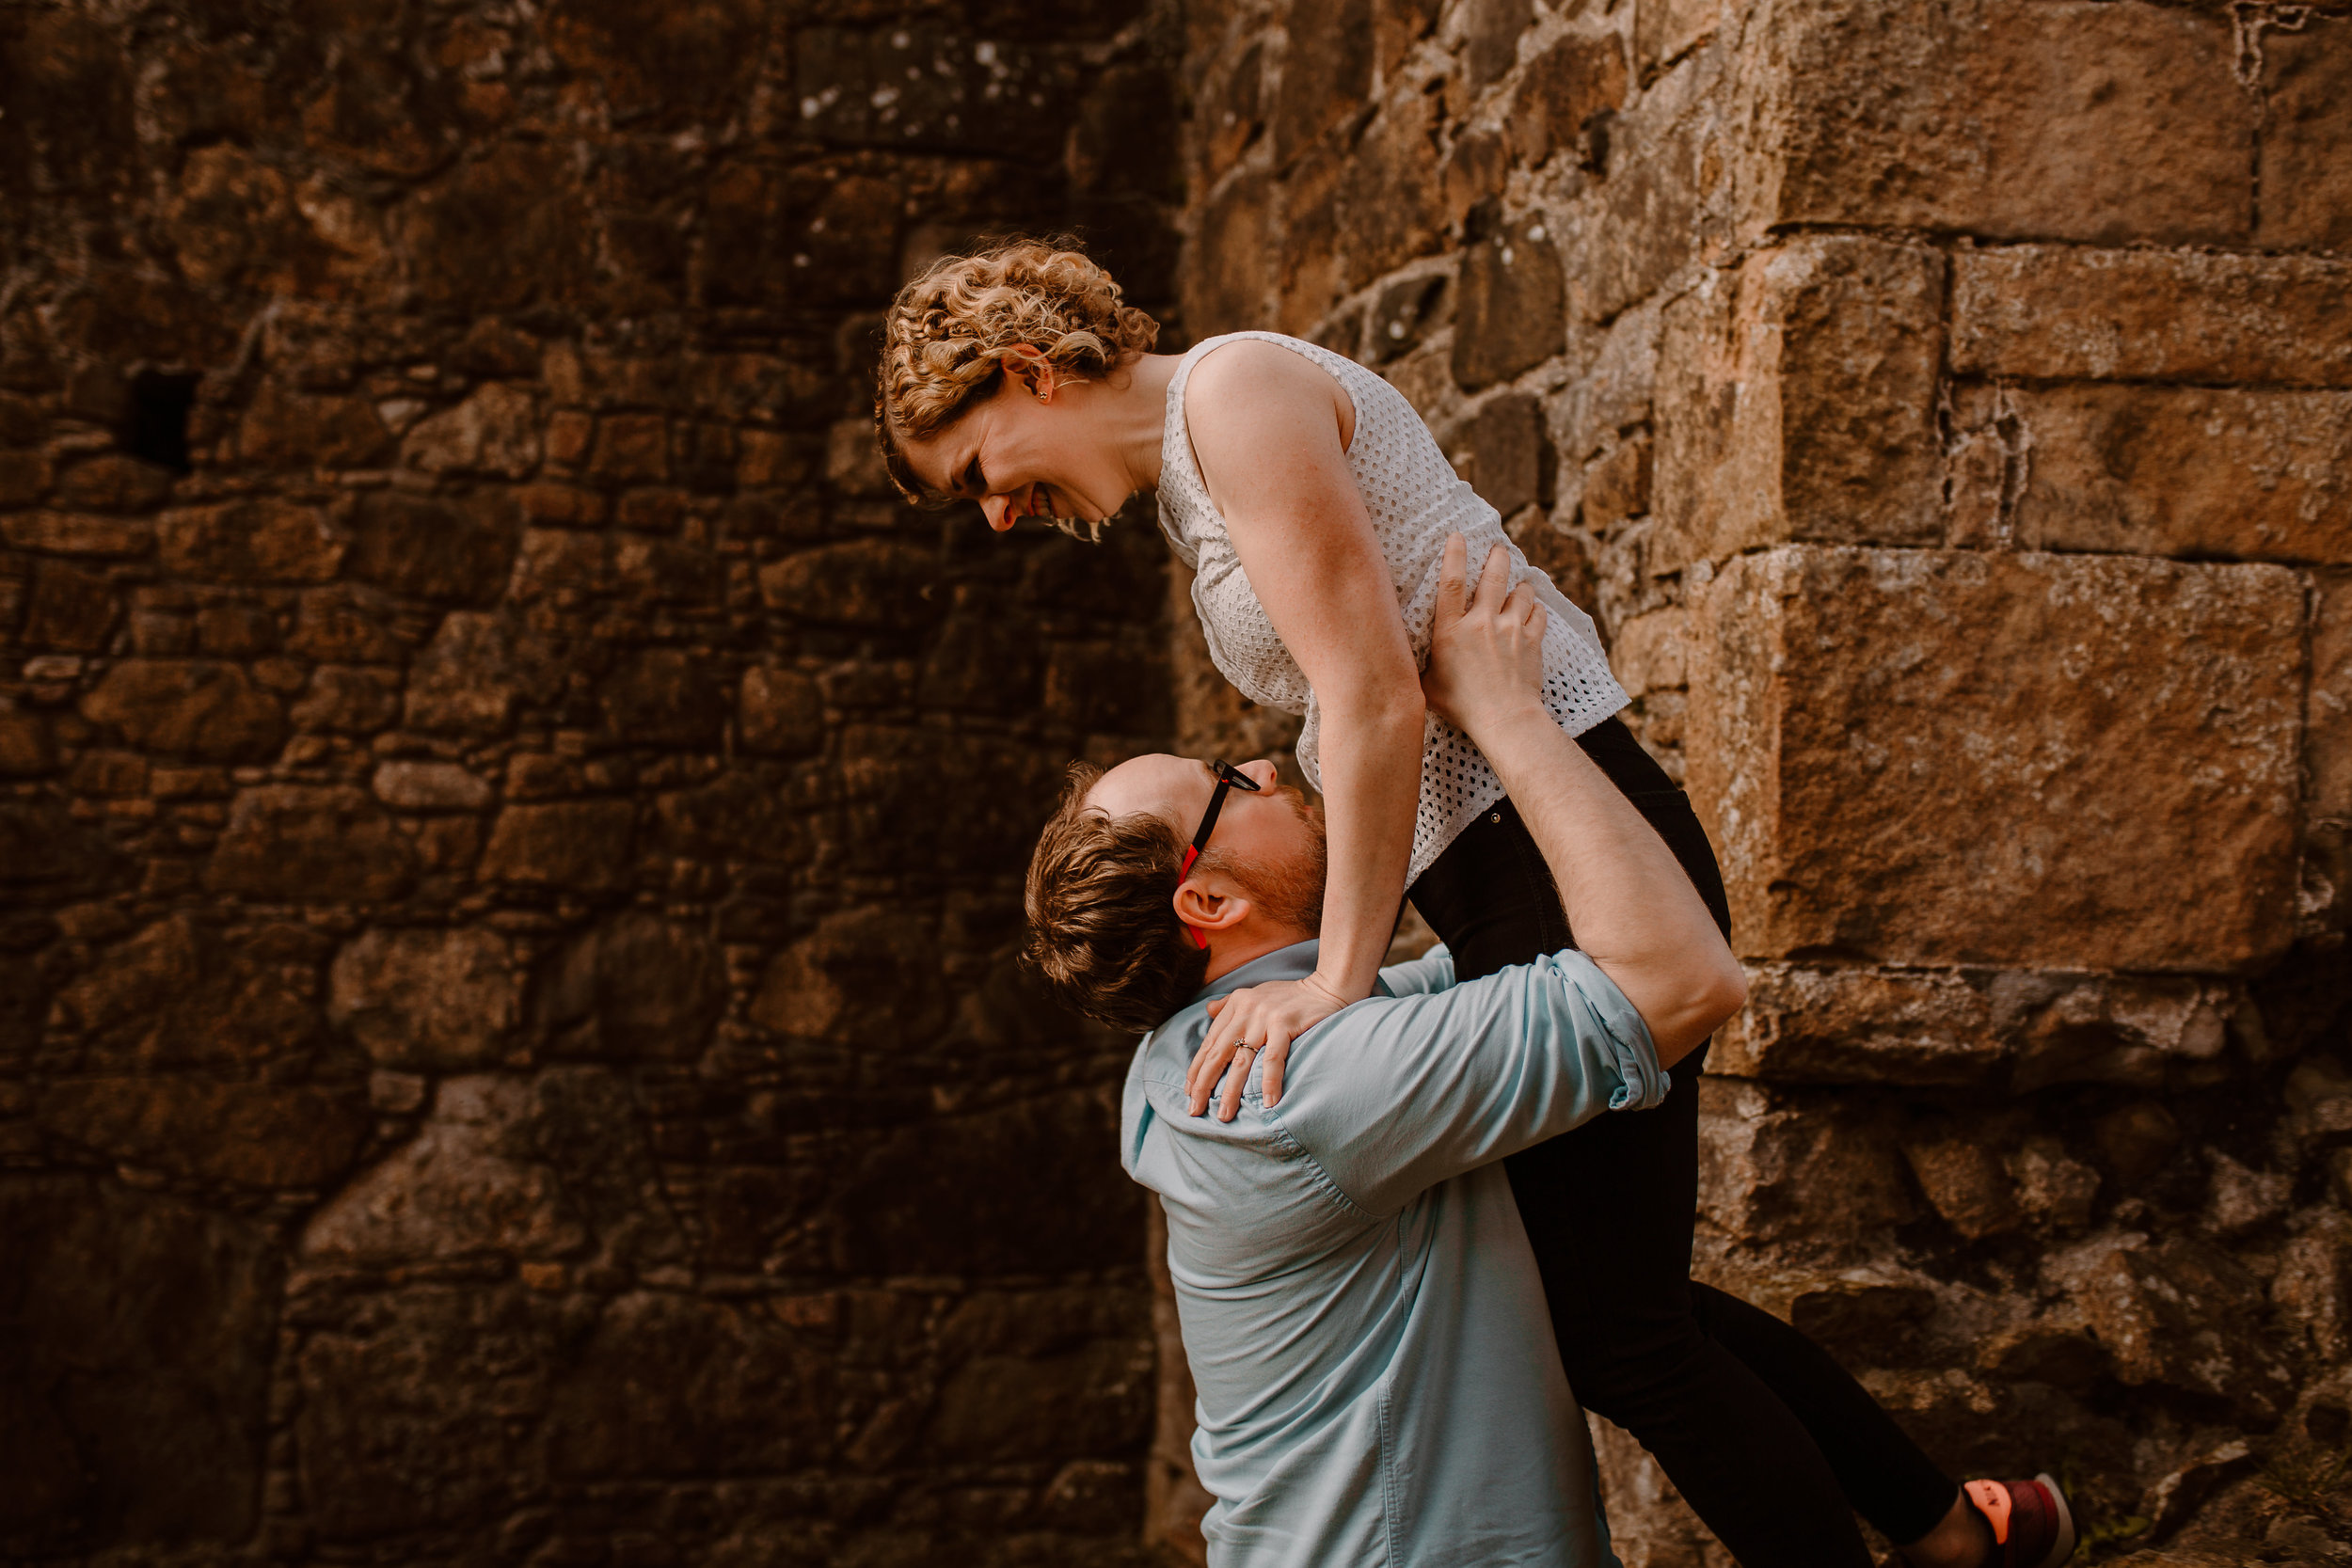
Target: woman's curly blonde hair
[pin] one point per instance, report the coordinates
(947, 333)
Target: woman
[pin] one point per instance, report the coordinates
(1313, 507)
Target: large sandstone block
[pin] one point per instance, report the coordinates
(2307, 124)
(2150, 315)
(2071, 762)
(1805, 1176)
(1508, 313)
(1797, 400)
(2013, 1029)
(425, 1000)
(2185, 471)
(2013, 119)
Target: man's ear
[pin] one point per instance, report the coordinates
(1210, 906)
(1026, 364)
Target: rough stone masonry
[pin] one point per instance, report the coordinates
(509, 834)
(1946, 406)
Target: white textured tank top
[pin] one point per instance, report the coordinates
(1415, 499)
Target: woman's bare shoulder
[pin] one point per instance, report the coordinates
(1240, 386)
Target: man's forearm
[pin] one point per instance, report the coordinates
(1629, 902)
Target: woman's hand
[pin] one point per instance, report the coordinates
(1263, 1020)
(1486, 657)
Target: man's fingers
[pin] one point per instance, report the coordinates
(1453, 572)
(1494, 578)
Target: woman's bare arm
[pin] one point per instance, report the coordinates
(1270, 430)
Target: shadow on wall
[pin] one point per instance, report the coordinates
(509, 831)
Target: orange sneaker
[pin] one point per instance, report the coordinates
(2032, 1527)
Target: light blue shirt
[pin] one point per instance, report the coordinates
(1378, 1382)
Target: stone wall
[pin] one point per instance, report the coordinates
(1946, 407)
(509, 834)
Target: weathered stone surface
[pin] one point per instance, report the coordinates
(305, 843)
(494, 432)
(664, 697)
(205, 711)
(70, 609)
(347, 701)
(1490, 38)
(137, 1383)
(470, 677)
(779, 713)
(2152, 315)
(45, 855)
(2179, 1312)
(73, 533)
(430, 548)
(407, 1417)
(1869, 812)
(431, 787)
(1564, 90)
(2307, 84)
(1388, 198)
(113, 482)
(2331, 734)
(179, 994)
(242, 1134)
(1762, 1159)
(577, 846)
(2186, 471)
(1797, 400)
(1234, 272)
(863, 975)
(261, 539)
(423, 1000)
(1505, 455)
(637, 988)
(470, 1182)
(954, 1202)
(1508, 306)
(1326, 72)
(1003, 1405)
(2065, 121)
(284, 428)
(869, 584)
(1664, 30)
(2024, 1029)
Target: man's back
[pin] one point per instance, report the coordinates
(1376, 1373)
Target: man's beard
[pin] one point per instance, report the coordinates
(1288, 892)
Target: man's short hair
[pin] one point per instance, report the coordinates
(1102, 926)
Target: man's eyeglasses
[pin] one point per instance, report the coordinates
(1228, 777)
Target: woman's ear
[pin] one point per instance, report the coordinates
(1026, 363)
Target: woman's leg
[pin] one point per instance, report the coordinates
(1609, 1209)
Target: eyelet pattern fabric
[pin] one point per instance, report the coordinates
(1415, 499)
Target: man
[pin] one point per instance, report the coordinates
(1378, 1378)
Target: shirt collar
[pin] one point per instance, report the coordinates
(1295, 962)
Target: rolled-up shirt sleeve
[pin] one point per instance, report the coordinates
(1395, 1094)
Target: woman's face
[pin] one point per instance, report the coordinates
(1020, 455)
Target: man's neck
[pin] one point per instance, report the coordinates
(1228, 952)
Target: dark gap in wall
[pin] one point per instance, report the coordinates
(155, 425)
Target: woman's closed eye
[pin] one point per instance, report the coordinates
(975, 481)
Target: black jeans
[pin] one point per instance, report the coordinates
(1770, 1441)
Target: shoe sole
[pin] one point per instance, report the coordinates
(2063, 1547)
